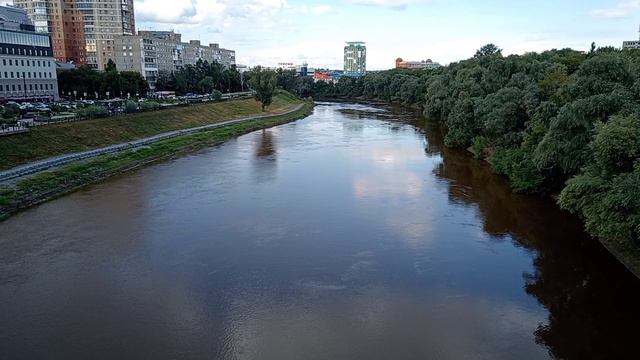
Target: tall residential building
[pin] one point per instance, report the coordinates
(355, 58)
(28, 69)
(83, 30)
(633, 44)
(62, 19)
(103, 20)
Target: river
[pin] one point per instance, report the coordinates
(351, 234)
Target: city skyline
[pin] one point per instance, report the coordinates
(266, 32)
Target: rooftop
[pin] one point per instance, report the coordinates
(14, 18)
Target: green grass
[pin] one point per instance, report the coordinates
(51, 184)
(47, 141)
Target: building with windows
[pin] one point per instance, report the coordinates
(83, 31)
(27, 65)
(632, 44)
(151, 52)
(194, 51)
(355, 58)
(138, 53)
(424, 64)
(63, 20)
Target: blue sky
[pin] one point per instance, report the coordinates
(270, 31)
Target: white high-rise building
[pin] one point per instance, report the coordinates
(355, 58)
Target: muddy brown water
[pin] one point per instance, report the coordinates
(351, 234)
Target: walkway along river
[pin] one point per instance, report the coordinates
(351, 234)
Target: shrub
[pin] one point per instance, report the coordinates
(92, 112)
(216, 95)
(149, 105)
(130, 106)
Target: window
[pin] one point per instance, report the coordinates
(1, 88)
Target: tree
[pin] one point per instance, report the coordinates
(166, 81)
(263, 82)
(488, 50)
(111, 66)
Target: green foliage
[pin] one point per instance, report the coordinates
(611, 208)
(10, 111)
(480, 144)
(216, 95)
(111, 66)
(149, 105)
(519, 167)
(263, 82)
(548, 118)
(130, 106)
(617, 146)
(92, 112)
(86, 80)
(202, 78)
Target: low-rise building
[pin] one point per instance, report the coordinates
(27, 65)
(150, 52)
(632, 44)
(424, 64)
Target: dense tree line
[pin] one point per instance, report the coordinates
(558, 121)
(202, 78)
(77, 82)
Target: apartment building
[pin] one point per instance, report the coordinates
(27, 65)
(355, 58)
(137, 53)
(83, 31)
(150, 52)
(63, 21)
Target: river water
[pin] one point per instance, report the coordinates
(351, 234)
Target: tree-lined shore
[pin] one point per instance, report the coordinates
(558, 122)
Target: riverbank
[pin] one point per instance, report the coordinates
(624, 251)
(45, 142)
(48, 185)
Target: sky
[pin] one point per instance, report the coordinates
(266, 32)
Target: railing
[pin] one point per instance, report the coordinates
(19, 128)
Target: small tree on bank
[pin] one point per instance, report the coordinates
(263, 82)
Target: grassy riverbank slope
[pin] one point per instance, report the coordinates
(51, 184)
(47, 141)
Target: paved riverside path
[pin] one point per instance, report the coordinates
(55, 161)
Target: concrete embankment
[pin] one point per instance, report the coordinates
(56, 161)
(42, 186)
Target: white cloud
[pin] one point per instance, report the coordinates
(621, 10)
(394, 4)
(204, 11)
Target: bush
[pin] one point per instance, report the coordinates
(480, 143)
(130, 106)
(92, 112)
(216, 95)
(149, 105)
(10, 111)
(517, 165)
